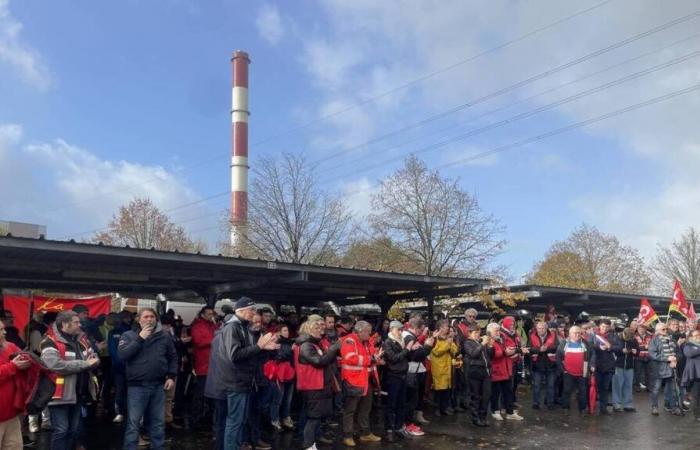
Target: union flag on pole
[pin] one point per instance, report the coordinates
(647, 315)
(678, 302)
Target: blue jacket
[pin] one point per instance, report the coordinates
(113, 346)
(149, 360)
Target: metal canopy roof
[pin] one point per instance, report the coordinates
(595, 302)
(81, 267)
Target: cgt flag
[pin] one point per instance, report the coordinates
(679, 304)
(647, 315)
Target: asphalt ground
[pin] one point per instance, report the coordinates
(540, 429)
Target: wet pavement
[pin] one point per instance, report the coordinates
(540, 429)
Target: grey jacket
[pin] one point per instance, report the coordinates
(660, 367)
(73, 364)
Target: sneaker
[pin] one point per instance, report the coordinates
(414, 430)
(287, 422)
(403, 433)
(119, 418)
(313, 447)
(617, 408)
(276, 425)
(33, 424)
(325, 440)
(677, 412)
(642, 386)
(420, 418)
(349, 442)
(667, 408)
(686, 405)
(497, 416)
(514, 416)
(654, 410)
(370, 438)
(143, 442)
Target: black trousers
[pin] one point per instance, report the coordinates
(502, 390)
(580, 384)
(395, 403)
(479, 396)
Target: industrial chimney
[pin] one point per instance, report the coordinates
(239, 150)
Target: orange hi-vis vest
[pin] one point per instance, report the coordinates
(356, 362)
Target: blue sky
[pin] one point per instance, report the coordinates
(101, 101)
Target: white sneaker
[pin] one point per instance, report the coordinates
(33, 424)
(497, 416)
(119, 418)
(276, 425)
(313, 447)
(514, 416)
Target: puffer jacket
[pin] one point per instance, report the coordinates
(501, 364)
(318, 402)
(395, 358)
(625, 360)
(149, 360)
(202, 332)
(477, 359)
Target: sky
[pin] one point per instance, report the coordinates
(589, 106)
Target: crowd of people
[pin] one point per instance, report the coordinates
(245, 373)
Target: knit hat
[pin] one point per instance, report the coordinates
(508, 324)
(395, 324)
(243, 303)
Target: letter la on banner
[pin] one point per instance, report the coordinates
(96, 305)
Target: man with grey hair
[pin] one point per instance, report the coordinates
(663, 353)
(576, 359)
(67, 354)
(358, 367)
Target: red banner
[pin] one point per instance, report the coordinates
(18, 306)
(96, 305)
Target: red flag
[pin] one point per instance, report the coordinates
(592, 394)
(96, 305)
(19, 307)
(647, 315)
(691, 313)
(678, 301)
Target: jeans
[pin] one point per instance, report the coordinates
(145, 402)
(622, 387)
(669, 394)
(641, 372)
(395, 403)
(603, 381)
(538, 378)
(65, 420)
(504, 390)
(220, 413)
(581, 385)
(281, 401)
(236, 418)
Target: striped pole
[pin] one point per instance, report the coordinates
(239, 150)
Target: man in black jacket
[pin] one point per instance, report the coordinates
(238, 358)
(603, 342)
(151, 368)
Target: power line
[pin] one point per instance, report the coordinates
(336, 153)
(506, 89)
(434, 73)
(368, 100)
(521, 101)
(555, 132)
(534, 111)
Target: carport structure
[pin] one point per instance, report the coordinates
(74, 267)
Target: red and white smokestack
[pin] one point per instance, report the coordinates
(239, 151)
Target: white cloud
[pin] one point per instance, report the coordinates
(357, 195)
(269, 24)
(71, 190)
(370, 47)
(24, 60)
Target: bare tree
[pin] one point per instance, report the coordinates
(290, 218)
(680, 260)
(434, 222)
(141, 224)
(590, 259)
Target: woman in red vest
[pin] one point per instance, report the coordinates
(314, 378)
